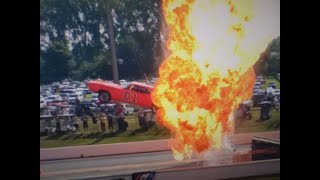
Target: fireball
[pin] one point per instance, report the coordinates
(213, 45)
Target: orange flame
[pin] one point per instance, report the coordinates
(209, 71)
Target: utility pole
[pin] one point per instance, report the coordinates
(112, 44)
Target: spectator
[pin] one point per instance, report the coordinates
(122, 124)
(75, 122)
(46, 111)
(88, 111)
(71, 111)
(85, 119)
(102, 118)
(58, 125)
(110, 122)
(94, 121)
(142, 121)
(119, 110)
(147, 120)
(115, 122)
(78, 108)
(77, 103)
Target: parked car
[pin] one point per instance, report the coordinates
(67, 91)
(272, 84)
(64, 96)
(65, 83)
(46, 93)
(276, 93)
(260, 79)
(128, 109)
(89, 104)
(123, 83)
(55, 102)
(109, 107)
(257, 91)
(42, 103)
(257, 85)
(258, 97)
(52, 98)
(72, 98)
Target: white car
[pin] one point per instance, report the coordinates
(82, 85)
(65, 83)
(123, 83)
(67, 91)
(128, 109)
(258, 91)
(46, 93)
(53, 98)
(258, 84)
(276, 92)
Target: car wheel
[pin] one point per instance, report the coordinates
(104, 97)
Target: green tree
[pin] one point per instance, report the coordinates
(273, 58)
(83, 26)
(269, 63)
(58, 62)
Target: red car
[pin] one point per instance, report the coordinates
(134, 93)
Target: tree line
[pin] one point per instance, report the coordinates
(74, 39)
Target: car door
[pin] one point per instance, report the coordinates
(143, 96)
(136, 95)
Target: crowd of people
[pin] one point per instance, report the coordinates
(103, 120)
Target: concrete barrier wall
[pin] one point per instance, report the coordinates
(237, 170)
(246, 138)
(256, 168)
(132, 147)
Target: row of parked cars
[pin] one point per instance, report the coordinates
(63, 95)
(259, 93)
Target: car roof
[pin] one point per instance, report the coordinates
(54, 95)
(104, 83)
